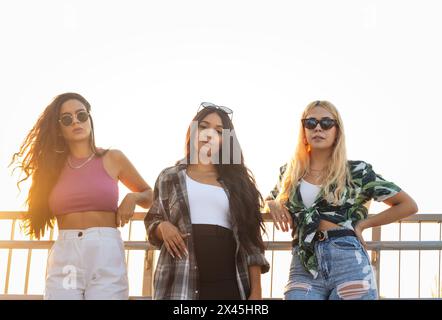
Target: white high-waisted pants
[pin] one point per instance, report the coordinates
(87, 265)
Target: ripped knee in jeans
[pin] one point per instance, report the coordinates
(298, 286)
(353, 289)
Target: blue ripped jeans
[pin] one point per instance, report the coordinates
(344, 273)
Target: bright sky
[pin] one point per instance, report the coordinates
(145, 67)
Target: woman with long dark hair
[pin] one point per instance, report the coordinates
(76, 184)
(324, 197)
(206, 217)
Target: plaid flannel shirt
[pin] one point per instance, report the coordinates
(177, 279)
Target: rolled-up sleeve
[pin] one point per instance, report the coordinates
(376, 187)
(258, 259)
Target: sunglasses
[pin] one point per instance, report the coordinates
(67, 119)
(325, 123)
(210, 105)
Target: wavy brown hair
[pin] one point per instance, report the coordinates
(245, 199)
(41, 157)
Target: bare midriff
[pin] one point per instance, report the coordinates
(86, 219)
(325, 225)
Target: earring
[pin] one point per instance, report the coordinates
(57, 149)
(60, 151)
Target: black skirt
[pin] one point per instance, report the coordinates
(215, 249)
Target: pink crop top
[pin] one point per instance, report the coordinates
(89, 188)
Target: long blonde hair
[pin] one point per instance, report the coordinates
(336, 174)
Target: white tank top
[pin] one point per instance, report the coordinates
(208, 204)
(309, 192)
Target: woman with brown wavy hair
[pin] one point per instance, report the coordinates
(76, 184)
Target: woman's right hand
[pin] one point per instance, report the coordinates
(280, 215)
(173, 239)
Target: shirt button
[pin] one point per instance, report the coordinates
(195, 267)
(80, 234)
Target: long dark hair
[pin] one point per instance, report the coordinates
(245, 199)
(42, 156)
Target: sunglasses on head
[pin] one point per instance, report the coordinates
(67, 119)
(210, 105)
(325, 123)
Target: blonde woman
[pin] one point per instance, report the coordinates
(322, 197)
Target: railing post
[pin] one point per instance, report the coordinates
(28, 270)
(8, 268)
(376, 255)
(148, 274)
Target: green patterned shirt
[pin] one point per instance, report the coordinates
(368, 185)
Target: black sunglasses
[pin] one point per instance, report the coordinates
(210, 105)
(325, 123)
(67, 119)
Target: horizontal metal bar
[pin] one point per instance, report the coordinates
(7, 215)
(404, 245)
(21, 297)
(270, 245)
(11, 215)
(139, 216)
(47, 244)
(371, 245)
(422, 217)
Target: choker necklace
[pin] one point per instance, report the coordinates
(81, 165)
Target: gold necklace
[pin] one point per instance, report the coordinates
(81, 165)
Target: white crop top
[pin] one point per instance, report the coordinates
(309, 192)
(208, 204)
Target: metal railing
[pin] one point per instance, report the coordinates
(375, 246)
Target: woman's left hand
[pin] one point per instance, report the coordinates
(126, 210)
(359, 228)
